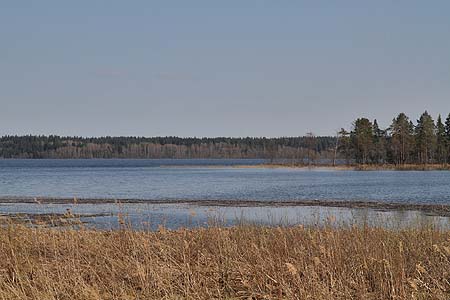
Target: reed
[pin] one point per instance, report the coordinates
(242, 262)
(405, 167)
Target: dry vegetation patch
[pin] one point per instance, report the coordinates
(245, 262)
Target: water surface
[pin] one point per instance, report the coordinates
(214, 179)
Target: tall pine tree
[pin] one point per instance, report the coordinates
(402, 139)
(447, 134)
(362, 140)
(379, 144)
(345, 145)
(441, 142)
(425, 138)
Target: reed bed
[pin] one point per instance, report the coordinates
(242, 262)
(405, 167)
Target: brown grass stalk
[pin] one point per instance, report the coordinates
(243, 262)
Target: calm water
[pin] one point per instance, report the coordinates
(183, 179)
(214, 179)
(151, 216)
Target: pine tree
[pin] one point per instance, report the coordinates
(441, 142)
(345, 144)
(379, 144)
(362, 139)
(425, 138)
(402, 130)
(447, 134)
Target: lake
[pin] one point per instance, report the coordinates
(209, 180)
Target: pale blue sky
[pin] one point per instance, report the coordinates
(219, 68)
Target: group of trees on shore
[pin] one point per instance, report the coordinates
(403, 142)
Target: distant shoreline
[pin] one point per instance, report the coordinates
(407, 167)
(270, 165)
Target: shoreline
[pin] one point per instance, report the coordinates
(387, 167)
(284, 164)
(408, 167)
(442, 210)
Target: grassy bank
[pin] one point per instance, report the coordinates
(246, 262)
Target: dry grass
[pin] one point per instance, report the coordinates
(244, 262)
(406, 167)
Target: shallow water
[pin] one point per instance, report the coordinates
(216, 180)
(173, 216)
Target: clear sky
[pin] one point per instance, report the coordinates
(219, 68)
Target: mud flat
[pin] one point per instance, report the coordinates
(432, 209)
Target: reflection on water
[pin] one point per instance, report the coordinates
(172, 216)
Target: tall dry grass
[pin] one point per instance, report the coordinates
(244, 262)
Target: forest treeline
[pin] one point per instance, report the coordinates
(425, 141)
(164, 147)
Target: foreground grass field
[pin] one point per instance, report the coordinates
(244, 262)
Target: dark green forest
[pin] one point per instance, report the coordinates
(426, 141)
